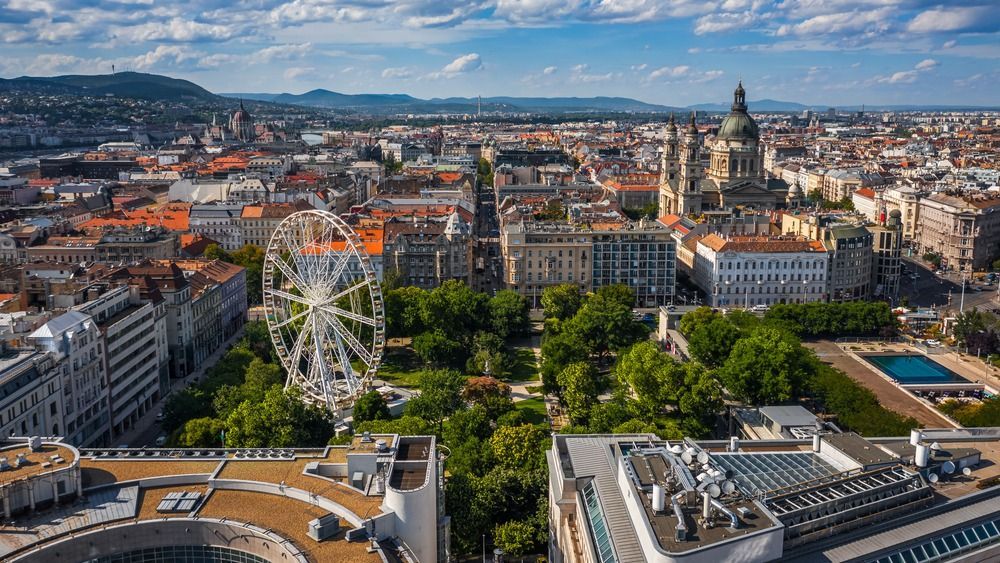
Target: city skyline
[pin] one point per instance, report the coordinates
(674, 53)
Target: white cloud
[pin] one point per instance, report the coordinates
(669, 72)
(952, 19)
(857, 21)
(550, 70)
(397, 72)
(926, 64)
(949, 44)
(718, 23)
(465, 63)
(295, 72)
(901, 77)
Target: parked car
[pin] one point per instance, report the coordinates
(759, 308)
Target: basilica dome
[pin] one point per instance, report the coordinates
(738, 124)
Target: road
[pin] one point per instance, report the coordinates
(930, 289)
(486, 253)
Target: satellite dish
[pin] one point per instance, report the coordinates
(966, 471)
(935, 446)
(948, 467)
(933, 477)
(676, 449)
(714, 490)
(728, 474)
(686, 457)
(728, 487)
(702, 457)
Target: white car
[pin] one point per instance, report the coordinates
(759, 308)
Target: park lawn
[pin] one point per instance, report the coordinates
(524, 368)
(400, 366)
(533, 410)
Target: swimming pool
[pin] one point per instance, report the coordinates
(914, 370)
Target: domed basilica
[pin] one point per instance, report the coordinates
(735, 174)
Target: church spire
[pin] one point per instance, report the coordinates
(739, 98)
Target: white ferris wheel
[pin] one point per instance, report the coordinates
(324, 309)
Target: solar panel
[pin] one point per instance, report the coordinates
(178, 501)
(762, 472)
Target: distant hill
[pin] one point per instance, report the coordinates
(759, 105)
(407, 103)
(122, 84)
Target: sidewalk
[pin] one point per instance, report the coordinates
(146, 430)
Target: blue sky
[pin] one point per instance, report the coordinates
(676, 52)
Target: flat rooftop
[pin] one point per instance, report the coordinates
(648, 468)
(49, 457)
(113, 481)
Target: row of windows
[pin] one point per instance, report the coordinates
(769, 277)
(768, 265)
(182, 553)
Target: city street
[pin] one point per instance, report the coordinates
(486, 255)
(930, 289)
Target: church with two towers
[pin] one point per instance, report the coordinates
(735, 174)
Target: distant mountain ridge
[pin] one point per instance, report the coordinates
(158, 87)
(124, 84)
(404, 102)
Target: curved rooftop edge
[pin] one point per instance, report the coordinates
(374, 499)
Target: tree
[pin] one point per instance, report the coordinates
(710, 343)
(515, 537)
(281, 420)
(257, 338)
(579, 384)
(438, 350)
(456, 309)
(489, 393)
(403, 308)
(186, 404)
(561, 301)
(404, 426)
(653, 377)
(489, 353)
(692, 320)
(971, 322)
(700, 400)
(518, 447)
(508, 313)
(558, 351)
(205, 432)
(440, 396)
(617, 293)
(258, 379)
(605, 325)
(370, 406)
(768, 366)
(215, 252)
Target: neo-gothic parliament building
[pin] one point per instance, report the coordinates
(735, 174)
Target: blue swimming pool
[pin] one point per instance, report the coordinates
(914, 370)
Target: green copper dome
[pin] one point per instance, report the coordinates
(738, 124)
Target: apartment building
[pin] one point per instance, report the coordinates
(135, 345)
(30, 394)
(426, 253)
(965, 232)
(641, 255)
(172, 287)
(744, 271)
(75, 342)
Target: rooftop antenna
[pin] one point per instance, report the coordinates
(112, 68)
(479, 106)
